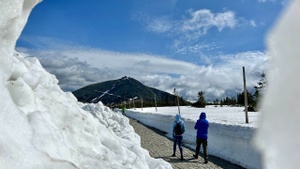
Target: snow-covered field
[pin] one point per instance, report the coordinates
(229, 137)
(216, 114)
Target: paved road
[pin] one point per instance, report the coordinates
(160, 146)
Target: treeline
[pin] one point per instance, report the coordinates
(253, 98)
(238, 100)
(165, 101)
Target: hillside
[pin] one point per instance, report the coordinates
(125, 89)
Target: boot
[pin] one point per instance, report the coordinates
(181, 153)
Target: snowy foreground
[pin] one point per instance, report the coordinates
(229, 137)
(43, 127)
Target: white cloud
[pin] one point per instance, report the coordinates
(186, 32)
(197, 24)
(201, 21)
(159, 25)
(223, 77)
(184, 46)
(154, 24)
(127, 62)
(253, 23)
(282, 2)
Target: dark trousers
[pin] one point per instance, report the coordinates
(204, 145)
(177, 141)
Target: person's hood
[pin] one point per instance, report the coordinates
(202, 115)
(177, 118)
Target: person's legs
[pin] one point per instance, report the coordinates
(174, 145)
(197, 148)
(180, 146)
(205, 150)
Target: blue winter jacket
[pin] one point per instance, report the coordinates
(202, 127)
(178, 120)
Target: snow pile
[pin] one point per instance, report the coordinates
(14, 14)
(278, 136)
(228, 136)
(44, 127)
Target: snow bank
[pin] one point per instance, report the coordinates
(44, 127)
(278, 136)
(231, 141)
(14, 14)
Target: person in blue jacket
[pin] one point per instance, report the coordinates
(178, 129)
(202, 134)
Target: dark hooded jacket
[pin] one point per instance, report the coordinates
(202, 127)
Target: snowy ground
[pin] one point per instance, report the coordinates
(227, 128)
(216, 114)
(43, 127)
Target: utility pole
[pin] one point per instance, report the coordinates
(245, 96)
(133, 104)
(142, 103)
(154, 99)
(155, 102)
(125, 106)
(175, 92)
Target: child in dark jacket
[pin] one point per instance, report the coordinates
(177, 135)
(202, 134)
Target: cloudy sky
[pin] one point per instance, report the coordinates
(190, 45)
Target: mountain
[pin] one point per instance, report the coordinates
(125, 89)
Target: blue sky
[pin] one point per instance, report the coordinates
(190, 45)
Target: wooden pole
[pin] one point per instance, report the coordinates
(177, 99)
(155, 102)
(133, 104)
(142, 103)
(154, 99)
(178, 103)
(245, 96)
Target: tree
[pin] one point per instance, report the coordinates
(201, 101)
(216, 102)
(250, 97)
(259, 89)
(228, 101)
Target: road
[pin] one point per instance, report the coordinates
(159, 146)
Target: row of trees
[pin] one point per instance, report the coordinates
(253, 99)
(161, 101)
